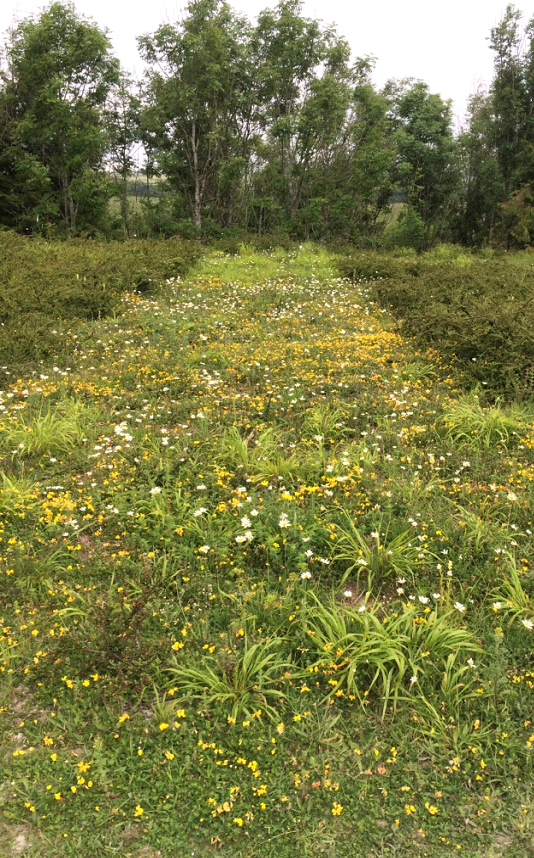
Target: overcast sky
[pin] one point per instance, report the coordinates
(444, 45)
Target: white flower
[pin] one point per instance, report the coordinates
(362, 562)
(245, 521)
(284, 521)
(309, 553)
(305, 574)
(201, 487)
(497, 606)
(324, 560)
(528, 624)
(459, 607)
(471, 663)
(423, 599)
(511, 496)
(254, 512)
(347, 594)
(413, 679)
(436, 595)
(155, 491)
(361, 609)
(204, 549)
(200, 511)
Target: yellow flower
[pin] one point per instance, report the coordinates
(432, 809)
(139, 810)
(337, 809)
(163, 726)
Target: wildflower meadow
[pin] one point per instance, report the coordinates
(266, 581)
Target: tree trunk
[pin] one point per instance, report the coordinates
(197, 215)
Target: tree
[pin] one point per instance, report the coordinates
(482, 185)
(59, 74)
(427, 167)
(196, 107)
(122, 121)
(509, 101)
(304, 95)
(22, 184)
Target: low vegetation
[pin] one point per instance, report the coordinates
(475, 309)
(267, 576)
(45, 285)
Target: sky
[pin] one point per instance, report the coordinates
(444, 44)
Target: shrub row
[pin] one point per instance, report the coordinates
(475, 310)
(45, 284)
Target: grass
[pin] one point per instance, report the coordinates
(266, 583)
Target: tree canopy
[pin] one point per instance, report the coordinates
(265, 126)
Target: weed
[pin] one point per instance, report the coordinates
(247, 683)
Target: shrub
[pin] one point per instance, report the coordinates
(44, 284)
(475, 311)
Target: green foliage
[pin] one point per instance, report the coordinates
(393, 655)
(378, 555)
(244, 680)
(60, 74)
(185, 663)
(43, 285)
(17, 494)
(475, 310)
(196, 104)
(427, 164)
(53, 429)
(517, 603)
(467, 422)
